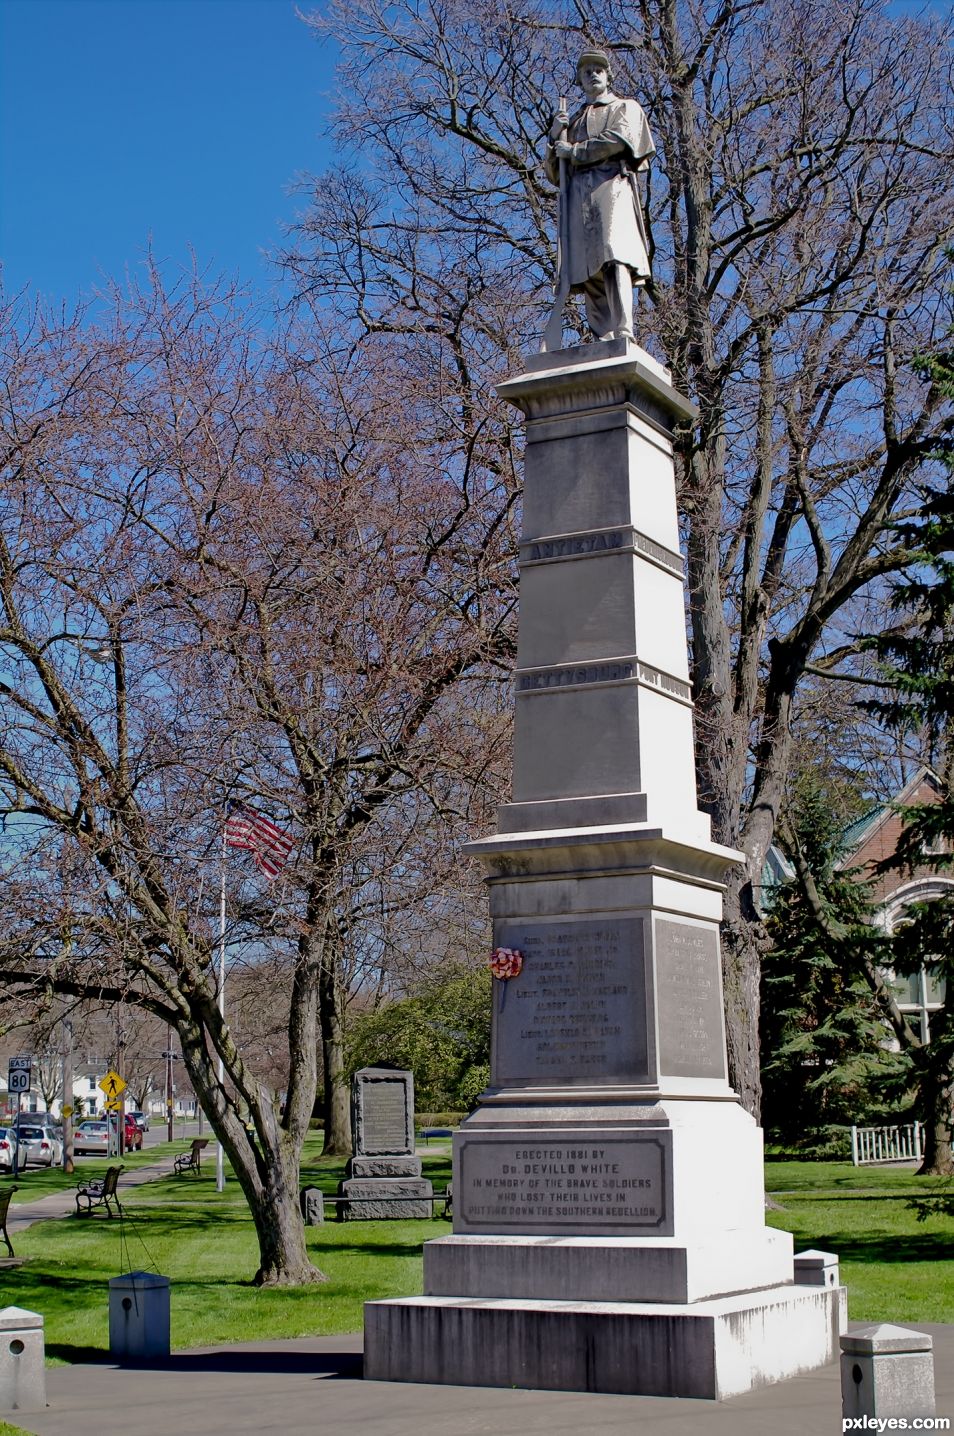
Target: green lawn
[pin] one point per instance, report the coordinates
(896, 1268)
(204, 1241)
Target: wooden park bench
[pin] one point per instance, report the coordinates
(191, 1161)
(5, 1196)
(99, 1193)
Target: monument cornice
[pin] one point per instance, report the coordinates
(622, 849)
(594, 376)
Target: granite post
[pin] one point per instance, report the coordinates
(887, 1371)
(22, 1360)
(609, 1227)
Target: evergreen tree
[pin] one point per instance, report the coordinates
(824, 1062)
(918, 658)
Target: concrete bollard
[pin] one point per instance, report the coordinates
(22, 1353)
(887, 1371)
(312, 1206)
(139, 1316)
(817, 1268)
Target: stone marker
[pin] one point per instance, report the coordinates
(139, 1316)
(887, 1371)
(312, 1206)
(383, 1178)
(22, 1366)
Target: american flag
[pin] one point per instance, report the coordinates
(269, 846)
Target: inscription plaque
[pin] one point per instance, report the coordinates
(543, 680)
(382, 1112)
(689, 1001)
(581, 1184)
(577, 1012)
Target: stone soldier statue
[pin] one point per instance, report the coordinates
(595, 155)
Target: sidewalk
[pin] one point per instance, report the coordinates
(23, 1213)
(314, 1385)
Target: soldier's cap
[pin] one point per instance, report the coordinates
(593, 57)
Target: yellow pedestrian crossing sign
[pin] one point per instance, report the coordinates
(113, 1085)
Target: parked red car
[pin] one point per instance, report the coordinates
(132, 1134)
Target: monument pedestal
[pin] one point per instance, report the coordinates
(609, 1229)
(711, 1349)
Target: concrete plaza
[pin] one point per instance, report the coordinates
(315, 1385)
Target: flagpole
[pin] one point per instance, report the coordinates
(219, 1154)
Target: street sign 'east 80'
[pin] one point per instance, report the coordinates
(18, 1074)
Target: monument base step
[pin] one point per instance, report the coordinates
(376, 1199)
(710, 1349)
(363, 1168)
(608, 1268)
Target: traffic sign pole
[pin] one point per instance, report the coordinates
(19, 1076)
(16, 1142)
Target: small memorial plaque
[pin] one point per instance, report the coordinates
(577, 1011)
(689, 1000)
(383, 1112)
(578, 1185)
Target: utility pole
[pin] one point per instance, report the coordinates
(66, 1105)
(120, 1065)
(170, 1057)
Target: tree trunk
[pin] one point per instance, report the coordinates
(265, 1163)
(338, 1141)
(935, 1104)
(938, 1159)
(281, 1232)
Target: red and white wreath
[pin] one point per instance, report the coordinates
(506, 962)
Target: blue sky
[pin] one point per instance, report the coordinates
(180, 120)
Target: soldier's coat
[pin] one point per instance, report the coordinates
(611, 142)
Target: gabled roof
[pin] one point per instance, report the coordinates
(863, 829)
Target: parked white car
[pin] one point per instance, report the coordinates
(8, 1146)
(41, 1146)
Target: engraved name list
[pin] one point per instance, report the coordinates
(578, 1009)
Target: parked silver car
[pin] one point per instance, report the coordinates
(40, 1145)
(91, 1139)
(8, 1146)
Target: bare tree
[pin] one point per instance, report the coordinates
(798, 204)
(228, 567)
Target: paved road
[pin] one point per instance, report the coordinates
(314, 1385)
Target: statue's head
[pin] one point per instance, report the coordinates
(597, 58)
(593, 72)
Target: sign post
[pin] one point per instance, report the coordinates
(113, 1087)
(19, 1074)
